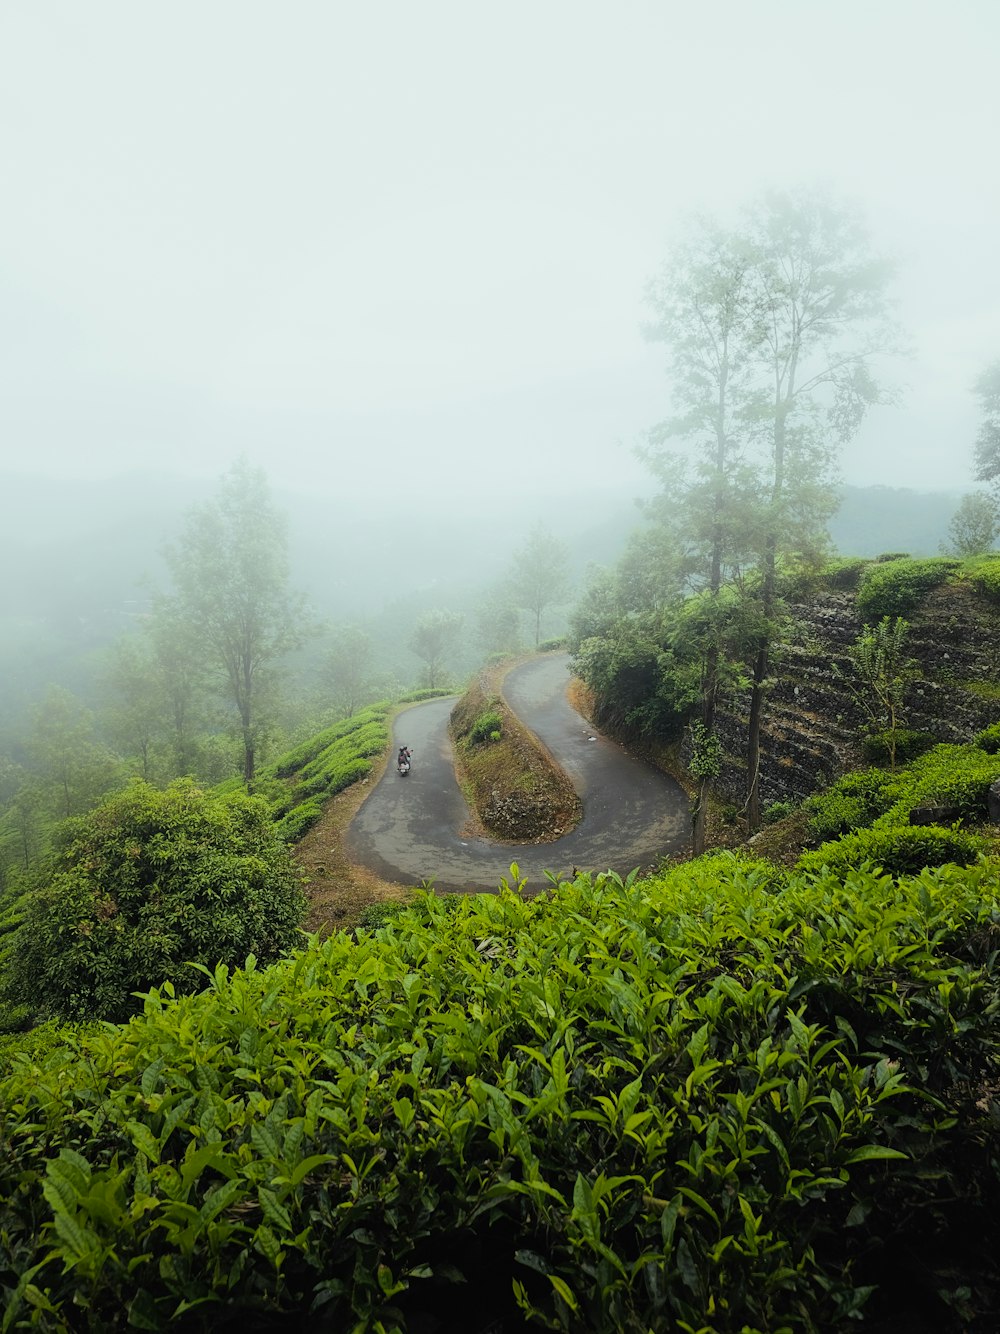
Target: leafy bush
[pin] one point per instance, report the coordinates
(949, 775)
(298, 821)
(652, 1105)
(380, 914)
(955, 776)
(844, 573)
(779, 810)
(902, 850)
(426, 692)
(148, 884)
(983, 572)
(487, 727)
(853, 802)
(897, 587)
(550, 645)
(309, 751)
(989, 739)
(902, 743)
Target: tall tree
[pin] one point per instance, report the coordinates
(539, 576)
(987, 456)
(230, 570)
(704, 312)
(73, 768)
(822, 312)
(975, 525)
(433, 639)
(181, 669)
(347, 670)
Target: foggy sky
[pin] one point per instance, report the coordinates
(403, 247)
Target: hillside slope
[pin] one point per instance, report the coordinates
(813, 723)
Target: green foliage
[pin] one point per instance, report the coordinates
(901, 850)
(706, 752)
(295, 761)
(949, 775)
(899, 744)
(550, 645)
(989, 739)
(487, 727)
(297, 784)
(417, 696)
(853, 802)
(779, 810)
(955, 777)
(539, 575)
(230, 572)
(299, 820)
(380, 914)
(708, 1101)
(896, 586)
(974, 527)
(147, 884)
(984, 576)
(987, 450)
(844, 573)
(641, 685)
(434, 638)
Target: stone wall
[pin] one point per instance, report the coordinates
(812, 724)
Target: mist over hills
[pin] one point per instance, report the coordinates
(83, 556)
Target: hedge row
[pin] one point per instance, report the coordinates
(719, 1100)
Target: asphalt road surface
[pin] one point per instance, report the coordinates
(410, 829)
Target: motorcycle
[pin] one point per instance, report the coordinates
(403, 763)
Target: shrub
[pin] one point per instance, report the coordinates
(376, 915)
(309, 751)
(903, 850)
(148, 884)
(549, 645)
(702, 1101)
(901, 743)
(298, 821)
(989, 739)
(487, 727)
(897, 587)
(844, 573)
(948, 775)
(853, 802)
(983, 572)
(779, 810)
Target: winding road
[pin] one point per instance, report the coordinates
(409, 829)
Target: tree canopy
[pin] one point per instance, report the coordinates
(147, 884)
(230, 570)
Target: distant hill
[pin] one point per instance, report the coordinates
(875, 519)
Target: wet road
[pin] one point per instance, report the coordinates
(409, 829)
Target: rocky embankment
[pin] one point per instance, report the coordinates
(813, 724)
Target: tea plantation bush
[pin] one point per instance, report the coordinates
(487, 727)
(148, 884)
(900, 851)
(726, 1099)
(953, 776)
(298, 784)
(897, 587)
